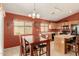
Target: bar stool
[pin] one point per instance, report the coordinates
(74, 45)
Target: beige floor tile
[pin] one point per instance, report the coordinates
(14, 51)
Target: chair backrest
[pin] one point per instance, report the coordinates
(22, 45)
(29, 38)
(43, 37)
(24, 42)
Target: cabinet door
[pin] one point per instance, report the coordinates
(52, 26)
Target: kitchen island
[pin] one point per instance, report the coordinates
(60, 43)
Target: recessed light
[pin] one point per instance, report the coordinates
(53, 13)
(70, 11)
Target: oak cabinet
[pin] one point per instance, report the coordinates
(52, 26)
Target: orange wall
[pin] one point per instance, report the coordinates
(9, 39)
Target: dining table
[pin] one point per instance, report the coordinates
(32, 44)
(39, 42)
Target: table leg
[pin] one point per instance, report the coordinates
(31, 50)
(48, 48)
(78, 49)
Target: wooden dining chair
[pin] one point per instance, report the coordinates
(42, 46)
(25, 47)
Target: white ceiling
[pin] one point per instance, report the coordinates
(48, 11)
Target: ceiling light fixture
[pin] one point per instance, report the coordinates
(34, 14)
(70, 11)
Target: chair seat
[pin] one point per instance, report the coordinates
(71, 41)
(70, 44)
(28, 49)
(73, 45)
(42, 45)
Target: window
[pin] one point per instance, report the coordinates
(44, 27)
(28, 27)
(22, 27)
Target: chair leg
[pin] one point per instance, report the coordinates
(36, 53)
(39, 51)
(26, 54)
(76, 51)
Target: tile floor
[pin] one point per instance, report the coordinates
(14, 51)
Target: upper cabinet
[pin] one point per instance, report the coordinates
(61, 25)
(52, 26)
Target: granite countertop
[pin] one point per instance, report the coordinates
(65, 36)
